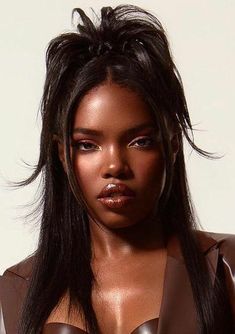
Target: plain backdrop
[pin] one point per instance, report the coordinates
(202, 39)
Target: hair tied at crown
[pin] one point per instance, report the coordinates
(137, 40)
(127, 43)
(100, 48)
(105, 47)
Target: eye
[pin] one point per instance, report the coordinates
(142, 142)
(85, 146)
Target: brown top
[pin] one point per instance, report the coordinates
(174, 317)
(148, 327)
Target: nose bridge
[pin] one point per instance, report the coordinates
(115, 160)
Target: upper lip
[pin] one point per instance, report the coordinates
(116, 188)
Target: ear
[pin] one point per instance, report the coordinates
(175, 145)
(61, 151)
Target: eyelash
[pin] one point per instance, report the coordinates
(78, 144)
(149, 139)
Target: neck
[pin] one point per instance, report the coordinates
(115, 243)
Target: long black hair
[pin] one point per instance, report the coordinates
(128, 46)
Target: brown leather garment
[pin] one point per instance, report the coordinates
(149, 327)
(57, 328)
(177, 314)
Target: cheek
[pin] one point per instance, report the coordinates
(150, 176)
(86, 171)
(151, 170)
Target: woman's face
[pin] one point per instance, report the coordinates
(116, 149)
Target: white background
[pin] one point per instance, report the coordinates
(202, 38)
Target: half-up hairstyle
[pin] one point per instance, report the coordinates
(128, 46)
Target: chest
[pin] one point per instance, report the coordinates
(128, 294)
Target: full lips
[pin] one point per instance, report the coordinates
(116, 202)
(116, 195)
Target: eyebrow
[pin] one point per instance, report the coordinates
(130, 131)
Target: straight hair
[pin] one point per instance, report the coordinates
(125, 42)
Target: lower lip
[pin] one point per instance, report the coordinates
(116, 202)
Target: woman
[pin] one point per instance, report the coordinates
(118, 249)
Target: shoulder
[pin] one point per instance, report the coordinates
(21, 270)
(222, 238)
(16, 276)
(14, 280)
(13, 289)
(225, 243)
(221, 243)
(224, 249)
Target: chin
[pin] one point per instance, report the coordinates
(118, 224)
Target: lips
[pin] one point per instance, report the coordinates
(116, 195)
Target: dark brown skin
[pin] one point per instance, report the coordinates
(129, 254)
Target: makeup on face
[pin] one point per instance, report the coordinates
(116, 195)
(117, 156)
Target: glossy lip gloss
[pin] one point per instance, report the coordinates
(116, 195)
(116, 202)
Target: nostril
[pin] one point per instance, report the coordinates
(119, 175)
(118, 172)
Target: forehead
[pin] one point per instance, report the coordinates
(111, 107)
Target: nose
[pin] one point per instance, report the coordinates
(115, 164)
